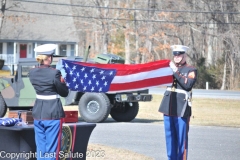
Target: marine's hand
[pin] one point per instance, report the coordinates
(173, 66)
(62, 79)
(59, 66)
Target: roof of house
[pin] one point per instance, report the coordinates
(39, 21)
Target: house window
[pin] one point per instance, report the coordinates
(63, 50)
(30, 49)
(1, 48)
(72, 49)
(23, 47)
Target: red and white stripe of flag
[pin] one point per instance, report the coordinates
(131, 77)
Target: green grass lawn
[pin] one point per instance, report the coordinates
(205, 111)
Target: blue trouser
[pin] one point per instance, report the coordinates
(176, 134)
(46, 138)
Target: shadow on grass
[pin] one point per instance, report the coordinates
(140, 120)
(136, 120)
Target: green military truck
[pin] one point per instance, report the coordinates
(17, 93)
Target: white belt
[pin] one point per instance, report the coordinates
(187, 94)
(177, 90)
(47, 97)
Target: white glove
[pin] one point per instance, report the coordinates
(173, 66)
(59, 66)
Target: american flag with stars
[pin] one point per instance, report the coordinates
(8, 121)
(86, 78)
(113, 78)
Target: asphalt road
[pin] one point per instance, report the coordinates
(202, 93)
(205, 143)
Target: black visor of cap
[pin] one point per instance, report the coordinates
(175, 53)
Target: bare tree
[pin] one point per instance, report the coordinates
(207, 27)
(4, 8)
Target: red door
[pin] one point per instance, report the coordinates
(23, 50)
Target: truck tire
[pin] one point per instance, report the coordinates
(124, 112)
(3, 107)
(94, 107)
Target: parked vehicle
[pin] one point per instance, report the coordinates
(17, 93)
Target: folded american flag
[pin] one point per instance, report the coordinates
(112, 78)
(8, 121)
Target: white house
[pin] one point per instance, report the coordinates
(29, 24)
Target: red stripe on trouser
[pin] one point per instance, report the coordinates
(73, 140)
(59, 139)
(185, 152)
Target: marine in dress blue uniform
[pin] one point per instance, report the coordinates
(47, 110)
(176, 105)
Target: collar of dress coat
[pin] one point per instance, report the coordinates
(44, 66)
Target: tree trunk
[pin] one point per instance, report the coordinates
(105, 38)
(138, 59)
(96, 42)
(127, 48)
(149, 44)
(2, 14)
(105, 28)
(232, 72)
(127, 41)
(224, 73)
(209, 46)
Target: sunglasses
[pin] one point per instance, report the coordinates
(176, 53)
